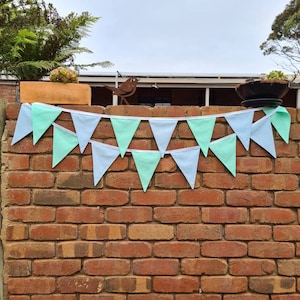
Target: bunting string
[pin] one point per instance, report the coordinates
(36, 118)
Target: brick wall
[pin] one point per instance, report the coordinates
(8, 91)
(232, 238)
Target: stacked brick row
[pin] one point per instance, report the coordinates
(231, 238)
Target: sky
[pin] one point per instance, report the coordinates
(178, 36)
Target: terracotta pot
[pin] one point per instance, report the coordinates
(55, 92)
(262, 92)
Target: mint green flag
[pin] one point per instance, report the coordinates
(42, 118)
(124, 130)
(64, 141)
(202, 130)
(225, 151)
(146, 163)
(281, 120)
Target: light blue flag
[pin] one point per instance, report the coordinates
(124, 130)
(103, 157)
(225, 150)
(24, 123)
(162, 131)
(202, 130)
(146, 163)
(85, 125)
(262, 135)
(241, 124)
(42, 118)
(64, 141)
(281, 120)
(187, 161)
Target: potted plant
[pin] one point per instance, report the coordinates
(267, 91)
(63, 88)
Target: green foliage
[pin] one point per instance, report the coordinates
(276, 75)
(35, 39)
(284, 40)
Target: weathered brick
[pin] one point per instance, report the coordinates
(30, 250)
(201, 197)
(123, 180)
(254, 165)
(53, 232)
(166, 164)
(210, 164)
(152, 197)
(225, 181)
(199, 232)
(150, 232)
(287, 165)
(54, 297)
(178, 284)
(287, 199)
(129, 214)
(32, 285)
(106, 267)
(177, 214)
(271, 249)
(18, 268)
(16, 232)
(80, 249)
(75, 180)
(150, 296)
(287, 233)
(286, 297)
(248, 232)
(176, 249)
(80, 215)
(203, 266)
(154, 266)
(251, 267)
(102, 296)
(246, 297)
(289, 267)
(273, 182)
(104, 197)
(103, 232)
(44, 163)
(222, 284)
(272, 215)
(223, 249)
(198, 297)
(31, 179)
(248, 198)
(31, 214)
(172, 181)
(56, 267)
(18, 161)
(56, 197)
(272, 285)
(224, 215)
(18, 196)
(128, 249)
(25, 146)
(128, 284)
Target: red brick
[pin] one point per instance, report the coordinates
(54, 297)
(56, 197)
(14, 297)
(289, 267)
(12, 109)
(272, 215)
(17, 232)
(246, 297)
(75, 180)
(271, 249)
(199, 232)
(80, 249)
(80, 284)
(254, 165)
(123, 180)
(56, 267)
(251, 267)
(25, 146)
(166, 164)
(223, 249)
(287, 165)
(248, 232)
(197, 297)
(53, 232)
(129, 214)
(150, 297)
(30, 250)
(287, 233)
(222, 284)
(32, 285)
(286, 150)
(210, 164)
(178, 284)
(287, 199)
(128, 249)
(106, 267)
(103, 232)
(172, 181)
(102, 297)
(18, 268)
(152, 197)
(18, 196)
(272, 285)
(18, 161)
(176, 249)
(154, 266)
(104, 197)
(31, 179)
(31, 214)
(203, 266)
(80, 215)
(44, 163)
(225, 181)
(248, 198)
(286, 297)
(201, 197)
(128, 284)
(177, 214)
(224, 215)
(150, 232)
(271, 182)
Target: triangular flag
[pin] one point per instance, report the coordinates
(85, 125)
(64, 141)
(281, 120)
(225, 150)
(24, 123)
(124, 130)
(103, 156)
(241, 125)
(187, 161)
(146, 163)
(162, 131)
(202, 130)
(262, 135)
(42, 117)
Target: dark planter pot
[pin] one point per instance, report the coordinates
(259, 93)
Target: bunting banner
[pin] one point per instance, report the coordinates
(37, 118)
